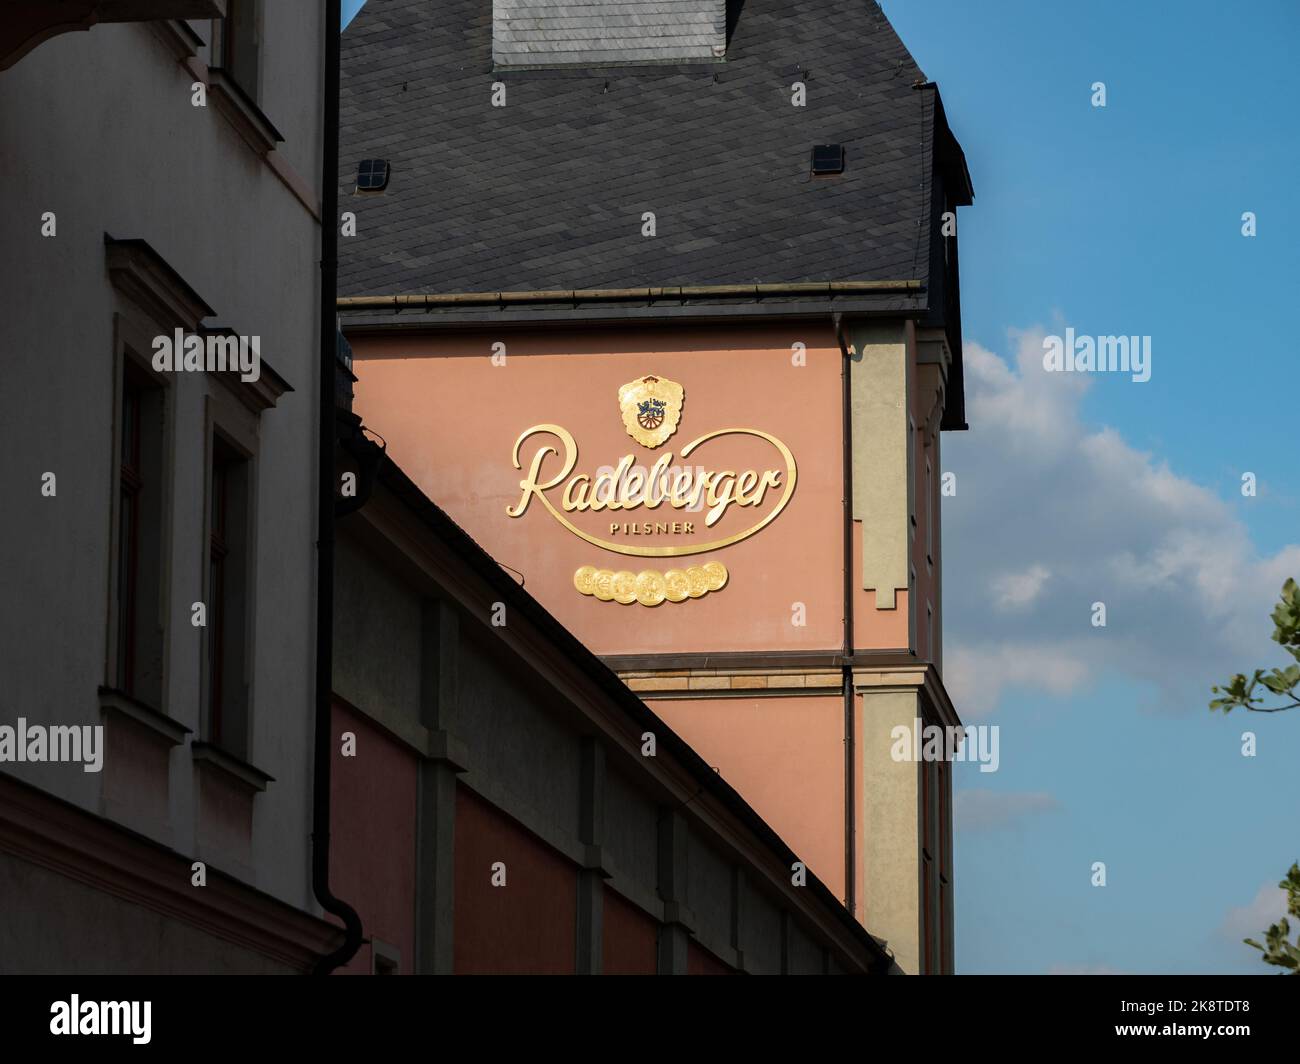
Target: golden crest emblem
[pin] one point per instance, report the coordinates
(651, 409)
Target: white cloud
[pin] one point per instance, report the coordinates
(1253, 919)
(977, 674)
(1068, 514)
(1016, 590)
(979, 809)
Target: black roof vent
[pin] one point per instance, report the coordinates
(827, 159)
(372, 175)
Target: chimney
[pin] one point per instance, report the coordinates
(536, 33)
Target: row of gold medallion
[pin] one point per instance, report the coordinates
(650, 587)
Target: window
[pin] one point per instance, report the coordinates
(226, 723)
(128, 539)
(929, 513)
(138, 629)
(239, 42)
(827, 159)
(911, 478)
(913, 614)
(372, 175)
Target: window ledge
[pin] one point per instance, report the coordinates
(258, 395)
(247, 118)
(173, 732)
(140, 272)
(240, 771)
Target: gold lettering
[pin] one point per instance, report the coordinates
(632, 484)
(605, 489)
(681, 485)
(719, 494)
(745, 488)
(655, 494)
(628, 487)
(532, 485)
(581, 484)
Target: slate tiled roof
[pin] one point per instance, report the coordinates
(529, 32)
(549, 191)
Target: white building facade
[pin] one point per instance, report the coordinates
(159, 543)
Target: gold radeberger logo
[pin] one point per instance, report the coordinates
(674, 498)
(651, 408)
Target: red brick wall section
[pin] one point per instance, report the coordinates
(528, 926)
(372, 836)
(631, 938)
(700, 961)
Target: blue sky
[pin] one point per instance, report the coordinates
(1120, 220)
(350, 8)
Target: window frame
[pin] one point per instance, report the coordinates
(228, 51)
(929, 513)
(130, 486)
(133, 334)
(218, 551)
(911, 478)
(229, 426)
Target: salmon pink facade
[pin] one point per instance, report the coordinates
(535, 459)
(463, 452)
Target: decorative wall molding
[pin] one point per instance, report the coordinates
(138, 271)
(29, 23)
